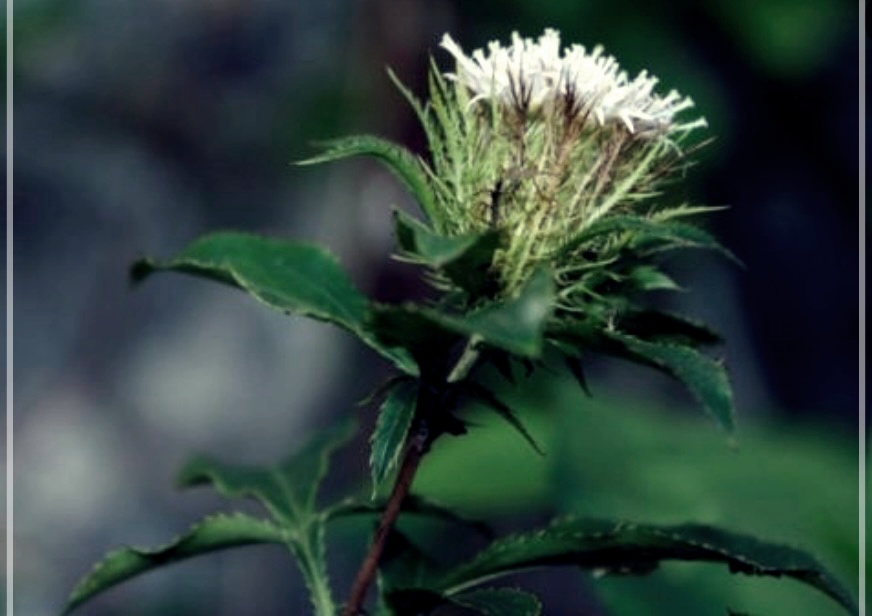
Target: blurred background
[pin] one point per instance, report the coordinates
(140, 125)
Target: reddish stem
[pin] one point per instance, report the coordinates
(419, 443)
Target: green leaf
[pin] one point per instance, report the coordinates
(515, 325)
(656, 326)
(488, 398)
(406, 166)
(500, 602)
(389, 437)
(291, 277)
(650, 278)
(645, 231)
(576, 368)
(706, 379)
(621, 547)
(288, 490)
(216, 532)
(464, 259)
(417, 239)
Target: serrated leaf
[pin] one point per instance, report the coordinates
(644, 231)
(485, 396)
(621, 547)
(515, 325)
(666, 235)
(464, 259)
(400, 161)
(706, 379)
(216, 532)
(389, 437)
(500, 602)
(288, 490)
(417, 239)
(292, 277)
(657, 326)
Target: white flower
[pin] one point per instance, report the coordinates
(529, 74)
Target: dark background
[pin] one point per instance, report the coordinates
(139, 126)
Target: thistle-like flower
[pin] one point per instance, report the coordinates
(547, 145)
(530, 74)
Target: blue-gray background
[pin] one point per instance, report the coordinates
(140, 125)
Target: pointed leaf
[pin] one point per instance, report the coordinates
(612, 546)
(488, 398)
(647, 230)
(401, 162)
(706, 379)
(573, 362)
(389, 437)
(291, 277)
(656, 326)
(288, 490)
(216, 532)
(464, 259)
(500, 602)
(417, 239)
(650, 278)
(515, 325)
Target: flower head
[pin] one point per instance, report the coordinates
(540, 143)
(534, 73)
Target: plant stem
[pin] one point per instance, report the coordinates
(419, 443)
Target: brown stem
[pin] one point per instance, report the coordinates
(419, 443)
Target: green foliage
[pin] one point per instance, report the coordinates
(215, 532)
(287, 491)
(490, 400)
(627, 548)
(610, 457)
(670, 348)
(389, 437)
(291, 277)
(465, 260)
(514, 325)
(655, 233)
(397, 159)
(704, 377)
(537, 239)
